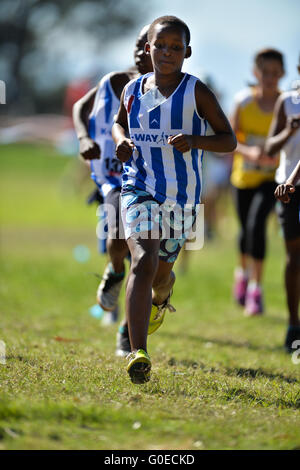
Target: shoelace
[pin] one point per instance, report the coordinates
(131, 355)
(165, 306)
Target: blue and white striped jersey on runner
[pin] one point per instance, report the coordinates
(155, 166)
(106, 171)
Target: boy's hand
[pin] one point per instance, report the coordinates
(257, 155)
(88, 148)
(293, 124)
(282, 192)
(182, 142)
(124, 149)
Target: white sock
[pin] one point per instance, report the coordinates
(253, 285)
(240, 272)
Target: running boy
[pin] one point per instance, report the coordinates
(284, 136)
(165, 113)
(252, 177)
(93, 119)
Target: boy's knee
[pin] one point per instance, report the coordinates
(293, 262)
(145, 263)
(164, 280)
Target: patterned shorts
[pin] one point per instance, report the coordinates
(144, 217)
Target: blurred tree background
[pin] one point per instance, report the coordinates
(45, 44)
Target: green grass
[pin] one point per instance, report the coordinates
(219, 380)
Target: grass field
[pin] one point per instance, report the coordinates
(219, 380)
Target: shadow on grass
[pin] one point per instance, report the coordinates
(20, 358)
(225, 342)
(238, 393)
(257, 373)
(233, 371)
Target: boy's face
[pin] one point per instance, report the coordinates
(168, 48)
(141, 59)
(268, 73)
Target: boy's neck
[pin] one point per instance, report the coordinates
(167, 84)
(268, 95)
(266, 99)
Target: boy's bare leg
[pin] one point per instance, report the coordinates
(244, 261)
(292, 279)
(163, 282)
(112, 280)
(117, 247)
(144, 265)
(117, 250)
(256, 270)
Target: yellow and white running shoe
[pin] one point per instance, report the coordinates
(139, 366)
(158, 314)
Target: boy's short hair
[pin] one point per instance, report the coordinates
(170, 21)
(268, 54)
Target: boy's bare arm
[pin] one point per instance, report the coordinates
(295, 176)
(118, 82)
(283, 190)
(282, 128)
(124, 145)
(252, 153)
(208, 107)
(81, 110)
(88, 148)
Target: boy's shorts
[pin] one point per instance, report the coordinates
(289, 214)
(142, 214)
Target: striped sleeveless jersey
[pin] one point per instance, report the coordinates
(106, 171)
(290, 152)
(156, 166)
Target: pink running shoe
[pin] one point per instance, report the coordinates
(240, 287)
(254, 302)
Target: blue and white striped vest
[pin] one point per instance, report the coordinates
(106, 171)
(155, 166)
